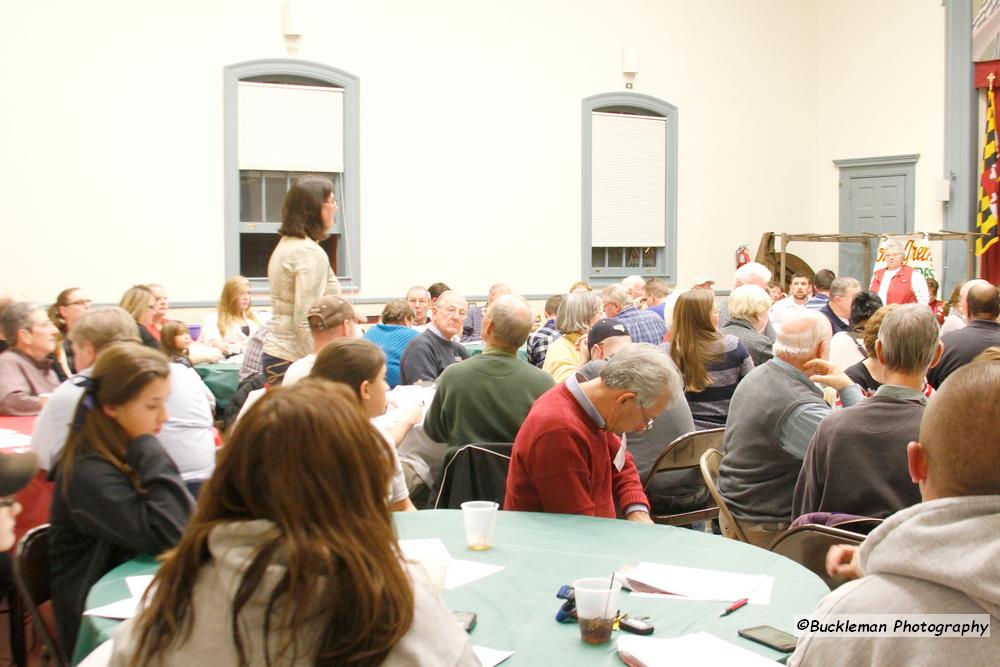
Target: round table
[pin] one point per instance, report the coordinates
(516, 607)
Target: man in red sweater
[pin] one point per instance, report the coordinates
(567, 457)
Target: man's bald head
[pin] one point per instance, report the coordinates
(752, 273)
(963, 293)
(982, 302)
(507, 322)
(804, 335)
(497, 291)
(958, 433)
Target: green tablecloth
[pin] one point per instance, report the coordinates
(222, 380)
(517, 606)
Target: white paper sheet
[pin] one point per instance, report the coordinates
(490, 657)
(119, 610)
(10, 438)
(138, 584)
(460, 572)
(700, 648)
(699, 584)
(404, 396)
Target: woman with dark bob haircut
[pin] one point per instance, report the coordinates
(299, 272)
(291, 557)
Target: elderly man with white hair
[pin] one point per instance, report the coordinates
(636, 288)
(568, 458)
(26, 375)
(435, 349)
(898, 282)
(643, 326)
(773, 415)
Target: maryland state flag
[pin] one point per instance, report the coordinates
(988, 247)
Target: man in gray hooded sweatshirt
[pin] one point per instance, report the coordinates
(941, 556)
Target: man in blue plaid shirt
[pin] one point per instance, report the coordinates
(539, 340)
(643, 326)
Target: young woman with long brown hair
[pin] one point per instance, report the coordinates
(117, 492)
(291, 558)
(361, 365)
(711, 363)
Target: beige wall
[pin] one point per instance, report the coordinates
(470, 128)
(880, 77)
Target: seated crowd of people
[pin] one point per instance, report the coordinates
(834, 400)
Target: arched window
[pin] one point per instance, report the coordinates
(285, 118)
(629, 187)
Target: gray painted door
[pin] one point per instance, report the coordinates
(877, 205)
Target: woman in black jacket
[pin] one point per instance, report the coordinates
(118, 494)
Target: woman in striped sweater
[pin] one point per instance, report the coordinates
(712, 364)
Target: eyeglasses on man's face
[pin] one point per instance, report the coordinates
(649, 420)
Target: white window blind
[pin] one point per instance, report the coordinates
(628, 177)
(290, 128)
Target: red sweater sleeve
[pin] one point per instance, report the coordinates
(627, 487)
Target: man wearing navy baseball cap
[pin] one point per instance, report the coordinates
(605, 338)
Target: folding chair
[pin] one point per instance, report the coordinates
(808, 544)
(710, 473)
(684, 453)
(476, 471)
(861, 525)
(31, 574)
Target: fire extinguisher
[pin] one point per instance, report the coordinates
(742, 256)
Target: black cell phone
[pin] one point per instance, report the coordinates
(467, 619)
(770, 637)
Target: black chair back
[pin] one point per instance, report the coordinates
(476, 471)
(31, 574)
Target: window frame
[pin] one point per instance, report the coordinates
(297, 71)
(666, 268)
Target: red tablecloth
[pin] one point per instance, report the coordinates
(37, 496)
(22, 425)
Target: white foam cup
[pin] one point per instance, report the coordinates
(480, 517)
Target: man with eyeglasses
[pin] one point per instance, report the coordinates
(568, 457)
(773, 416)
(26, 375)
(419, 300)
(434, 350)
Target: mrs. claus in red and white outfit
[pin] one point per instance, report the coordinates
(897, 282)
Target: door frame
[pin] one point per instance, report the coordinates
(869, 167)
